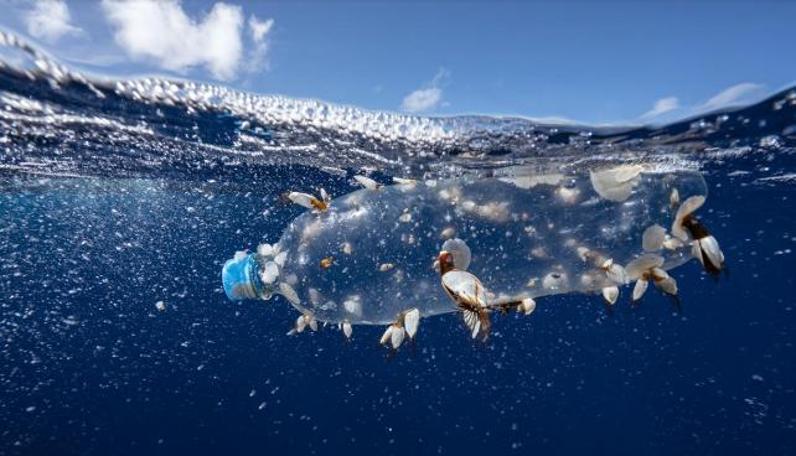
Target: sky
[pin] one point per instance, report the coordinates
(591, 62)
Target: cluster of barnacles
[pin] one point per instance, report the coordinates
(305, 320)
(704, 246)
(614, 272)
(320, 203)
(407, 322)
(315, 203)
(405, 325)
(642, 270)
(649, 267)
(272, 260)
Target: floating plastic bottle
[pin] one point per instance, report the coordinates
(373, 255)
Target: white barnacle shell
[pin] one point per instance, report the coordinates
(674, 198)
(353, 305)
(452, 193)
(527, 306)
(411, 322)
(305, 320)
(610, 294)
(711, 248)
(615, 184)
(554, 280)
(315, 296)
(397, 336)
(302, 199)
(384, 267)
(460, 252)
(394, 335)
(347, 329)
(311, 230)
(346, 248)
(448, 233)
(386, 336)
(568, 195)
(311, 321)
(270, 273)
(367, 182)
(708, 246)
(640, 288)
(664, 281)
(495, 211)
(403, 181)
(672, 243)
(473, 323)
(265, 250)
(653, 238)
(615, 272)
(589, 279)
(465, 287)
(530, 181)
(638, 267)
(687, 208)
(645, 267)
(280, 258)
(301, 323)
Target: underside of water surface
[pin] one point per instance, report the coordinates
(121, 199)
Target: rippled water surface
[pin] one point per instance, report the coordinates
(120, 197)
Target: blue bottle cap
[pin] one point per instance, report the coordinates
(239, 278)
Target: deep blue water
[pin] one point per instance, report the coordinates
(101, 220)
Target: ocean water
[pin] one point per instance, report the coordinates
(119, 198)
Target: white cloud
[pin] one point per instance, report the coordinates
(669, 108)
(49, 20)
(742, 93)
(428, 97)
(161, 31)
(422, 99)
(259, 29)
(258, 32)
(662, 106)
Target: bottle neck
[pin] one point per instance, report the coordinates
(241, 278)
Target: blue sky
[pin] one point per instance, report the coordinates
(592, 62)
